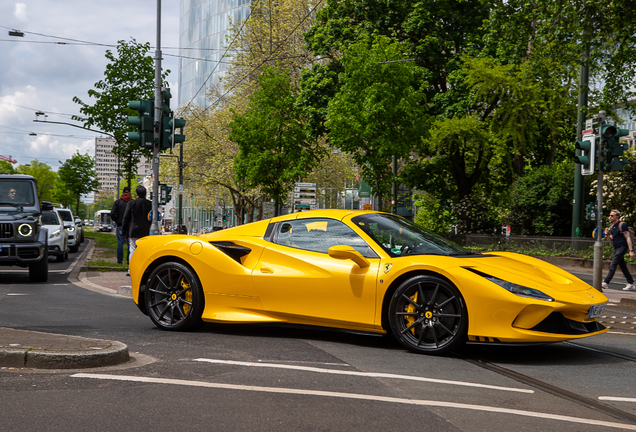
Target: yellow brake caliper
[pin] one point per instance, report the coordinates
(410, 308)
(188, 296)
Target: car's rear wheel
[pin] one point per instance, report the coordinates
(428, 315)
(174, 298)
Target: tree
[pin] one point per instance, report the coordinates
(129, 76)
(6, 168)
(43, 174)
(274, 149)
(377, 112)
(79, 176)
(540, 201)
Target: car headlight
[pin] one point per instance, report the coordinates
(25, 230)
(55, 234)
(520, 290)
(70, 229)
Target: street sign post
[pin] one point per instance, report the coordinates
(304, 196)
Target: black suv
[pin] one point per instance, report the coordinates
(23, 239)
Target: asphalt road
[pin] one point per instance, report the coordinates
(257, 377)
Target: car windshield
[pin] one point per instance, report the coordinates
(399, 237)
(16, 193)
(65, 215)
(50, 218)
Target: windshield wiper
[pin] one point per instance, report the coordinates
(18, 206)
(464, 253)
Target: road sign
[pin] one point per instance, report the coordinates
(305, 185)
(304, 201)
(302, 207)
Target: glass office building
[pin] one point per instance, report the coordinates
(202, 30)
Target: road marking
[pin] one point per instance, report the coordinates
(428, 403)
(363, 374)
(617, 399)
(621, 333)
(16, 294)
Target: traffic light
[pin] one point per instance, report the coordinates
(144, 122)
(614, 149)
(168, 196)
(168, 125)
(588, 154)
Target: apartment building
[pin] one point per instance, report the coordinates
(106, 167)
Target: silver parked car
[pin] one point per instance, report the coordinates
(58, 237)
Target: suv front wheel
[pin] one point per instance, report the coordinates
(39, 271)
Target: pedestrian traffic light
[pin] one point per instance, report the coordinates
(144, 122)
(588, 154)
(614, 148)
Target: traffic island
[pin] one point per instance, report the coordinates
(37, 350)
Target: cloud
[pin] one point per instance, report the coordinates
(20, 11)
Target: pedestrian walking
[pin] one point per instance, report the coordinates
(618, 232)
(117, 215)
(136, 223)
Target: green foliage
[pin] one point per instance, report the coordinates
(6, 168)
(274, 149)
(77, 177)
(618, 190)
(377, 113)
(540, 202)
(129, 76)
(43, 174)
(432, 215)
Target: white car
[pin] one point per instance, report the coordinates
(69, 224)
(58, 237)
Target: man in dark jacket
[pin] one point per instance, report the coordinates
(117, 215)
(136, 220)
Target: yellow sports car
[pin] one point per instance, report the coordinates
(360, 270)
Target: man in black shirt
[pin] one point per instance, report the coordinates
(136, 220)
(117, 215)
(619, 234)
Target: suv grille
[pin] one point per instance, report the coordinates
(6, 230)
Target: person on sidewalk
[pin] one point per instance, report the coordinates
(136, 223)
(117, 215)
(622, 242)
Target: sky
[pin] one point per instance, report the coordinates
(39, 74)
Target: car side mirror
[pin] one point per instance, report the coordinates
(347, 252)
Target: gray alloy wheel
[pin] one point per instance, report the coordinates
(174, 298)
(428, 315)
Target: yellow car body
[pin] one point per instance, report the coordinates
(260, 272)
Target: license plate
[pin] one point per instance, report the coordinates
(597, 310)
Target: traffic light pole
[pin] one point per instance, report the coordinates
(180, 186)
(577, 207)
(154, 226)
(597, 278)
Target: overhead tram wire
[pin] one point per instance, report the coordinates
(217, 64)
(269, 57)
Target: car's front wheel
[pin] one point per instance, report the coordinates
(428, 315)
(174, 298)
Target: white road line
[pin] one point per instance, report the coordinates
(363, 374)
(617, 399)
(17, 294)
(621, 333)
(429, 403)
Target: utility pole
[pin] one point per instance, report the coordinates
(154, 227)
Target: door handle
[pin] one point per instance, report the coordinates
(266, 270)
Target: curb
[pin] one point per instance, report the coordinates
(53, 351)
